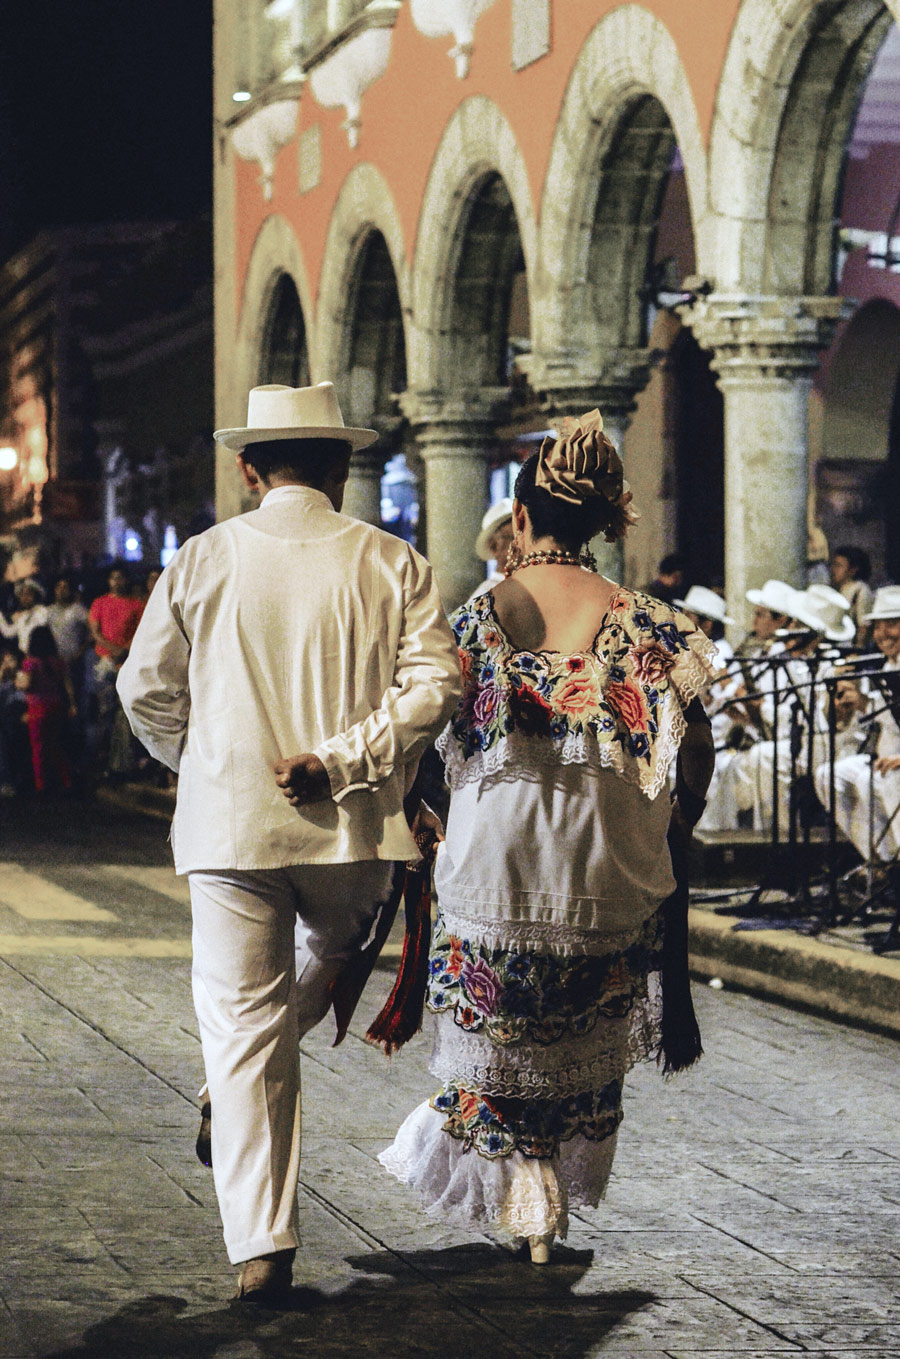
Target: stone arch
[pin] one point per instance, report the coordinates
(276, 257)
(627, 104)
(788, 94)
(284, 353)
(364, 213)
(478, 185)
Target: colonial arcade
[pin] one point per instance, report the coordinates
(476, 216)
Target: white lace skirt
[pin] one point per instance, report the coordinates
(531, 1050)
(514, 1195)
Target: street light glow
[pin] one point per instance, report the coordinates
(241, 96)
(9, 458)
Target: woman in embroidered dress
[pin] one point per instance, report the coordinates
(577, 696)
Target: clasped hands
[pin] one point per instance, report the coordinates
(303, 779)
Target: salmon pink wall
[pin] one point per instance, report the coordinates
(405, 113)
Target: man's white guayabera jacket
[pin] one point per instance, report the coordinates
(288, 630)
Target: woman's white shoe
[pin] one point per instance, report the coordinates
(540, 1249)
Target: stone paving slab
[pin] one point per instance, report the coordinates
(754, 1208)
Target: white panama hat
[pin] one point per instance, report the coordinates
(776, 596)
(823, 610)
(494, 517)
(705, 602)
(885, 606)
(278, 412)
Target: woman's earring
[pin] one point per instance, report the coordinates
(513, 554)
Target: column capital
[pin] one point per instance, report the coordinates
(463, 418)
(570, 384)
(756, 339)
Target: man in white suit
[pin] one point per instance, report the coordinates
(292, 664)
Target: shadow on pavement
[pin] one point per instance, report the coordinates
(422, 1304)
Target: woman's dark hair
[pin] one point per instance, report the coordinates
(552, 517)
(313, 460)
(857, 559)
(41, 643)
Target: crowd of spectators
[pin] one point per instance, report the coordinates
(62, 642)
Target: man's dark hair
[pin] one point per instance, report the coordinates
(858, 560)
(310, 460)
(673, 562)
(551, 517)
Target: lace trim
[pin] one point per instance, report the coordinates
(566, 1068)
(536, 936)
(518, 755)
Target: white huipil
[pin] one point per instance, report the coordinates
(554, 867)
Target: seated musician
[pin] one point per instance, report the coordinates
(867, 786)
(746, 787)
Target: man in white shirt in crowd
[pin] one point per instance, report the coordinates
(292, 665)
(68, 621)
(867, 787)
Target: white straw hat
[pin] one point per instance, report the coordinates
(278, 412)
(824, 610)
(886, 604)
(776, 596)
(494, 517)
(705, 602)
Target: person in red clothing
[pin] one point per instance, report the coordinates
(113, 620)
(50, 700)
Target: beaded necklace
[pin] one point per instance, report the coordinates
(585, 559)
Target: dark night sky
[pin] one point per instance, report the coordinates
(105, 112)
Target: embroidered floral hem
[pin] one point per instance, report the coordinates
(540, 997)
(497, 1127)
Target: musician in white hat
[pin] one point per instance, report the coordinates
(747, 786)
(736, 726)
(292, 664)
(867, 787)
(493, 542)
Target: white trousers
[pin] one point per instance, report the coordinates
(857, 795)
(267, 944)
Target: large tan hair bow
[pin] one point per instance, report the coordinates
(581, 462)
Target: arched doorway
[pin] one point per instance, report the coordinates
(383, 486)
(642, 251)
(284, 357)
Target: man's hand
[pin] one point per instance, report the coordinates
(887, 763)
(302, 779)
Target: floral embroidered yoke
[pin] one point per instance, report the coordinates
(619, 704)
(546, 954)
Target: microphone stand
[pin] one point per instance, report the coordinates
(890, 885)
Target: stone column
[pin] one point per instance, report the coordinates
(612, 388)
(362, 494)
(455, 436)
(765, 351)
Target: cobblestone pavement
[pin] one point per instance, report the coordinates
(754, 1209)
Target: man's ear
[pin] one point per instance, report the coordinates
(248, 473)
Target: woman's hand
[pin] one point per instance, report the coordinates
(302, 779)
(887, 763)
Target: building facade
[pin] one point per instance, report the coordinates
(477, 216)
(106, 393)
